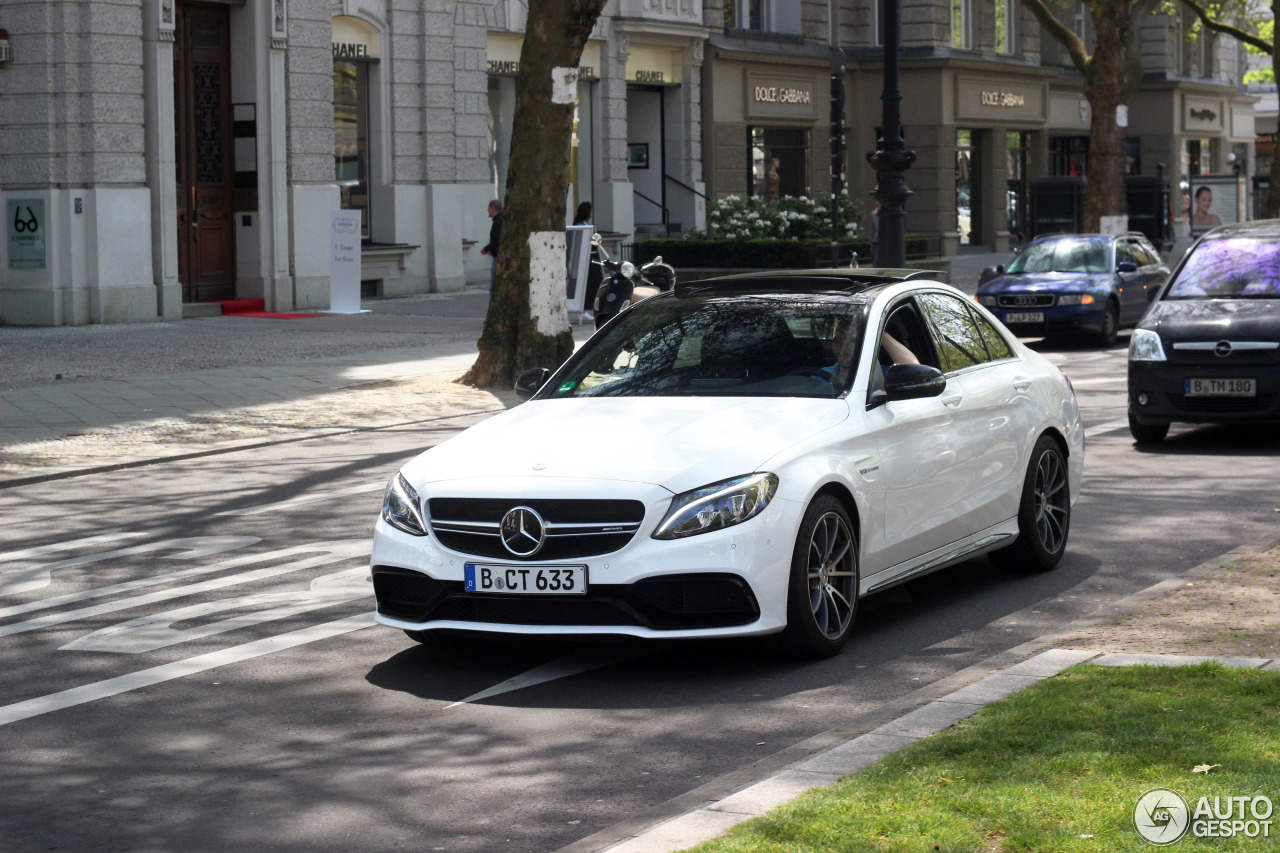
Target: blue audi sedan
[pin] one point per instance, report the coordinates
(1076, 285)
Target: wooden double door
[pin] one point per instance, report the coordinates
(204, 154)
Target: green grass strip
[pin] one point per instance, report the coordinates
(1057, 767)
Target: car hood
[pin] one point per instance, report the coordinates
(1215, 319)
(1042, 282)
(679, 443)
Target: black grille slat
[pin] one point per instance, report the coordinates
(670, 602)
(555, 510)
(570, 534)
(1025, 300)
(556, 547)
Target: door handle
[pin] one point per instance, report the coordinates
(1021, 384)
(953, 400)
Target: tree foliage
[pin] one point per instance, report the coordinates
(1112, 73)
(519, 330)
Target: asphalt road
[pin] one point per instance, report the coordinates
(187, 659)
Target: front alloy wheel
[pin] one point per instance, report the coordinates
(822, 598)
(1044, 513)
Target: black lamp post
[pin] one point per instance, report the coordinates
(891, 159)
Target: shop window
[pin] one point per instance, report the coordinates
(351, 137)
(1133, 155)
(1068, 155)
(780, 161)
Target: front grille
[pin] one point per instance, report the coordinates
(1238, 357)
(1025, 300)
(1222, 405)
(670, 602)
(575, 528)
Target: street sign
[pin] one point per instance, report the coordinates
(25, 218)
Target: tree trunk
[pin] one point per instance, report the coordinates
(527, 325)
(1104, 193)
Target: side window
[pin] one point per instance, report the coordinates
(904, 327)
(1125, 252)
(957, 336)
(1150, 254)
(997, 346)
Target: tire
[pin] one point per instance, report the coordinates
(1044, 513)
(1110, 325)
(822, 592)
(1147, 433)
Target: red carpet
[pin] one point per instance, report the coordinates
(253, 308)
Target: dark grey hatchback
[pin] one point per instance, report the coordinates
(1208, 349)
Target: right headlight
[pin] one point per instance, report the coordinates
(1145, 346)
(402, 508)
(717, 506)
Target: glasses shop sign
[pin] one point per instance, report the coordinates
(26, 224)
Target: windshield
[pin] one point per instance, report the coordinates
(1071, 254)
(741, 346)
(1231, 268)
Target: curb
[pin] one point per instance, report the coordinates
(711, 809)
(69, 472)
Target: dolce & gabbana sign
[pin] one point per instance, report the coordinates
(779, 96)
(1000, 100)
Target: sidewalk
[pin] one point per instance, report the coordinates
(83, 399)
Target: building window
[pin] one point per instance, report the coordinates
(960, 23)
(1068, 155)
(763, 16)
(780, 162)
(1006, 11)
(877, 11)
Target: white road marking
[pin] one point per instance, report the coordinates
(53, 548)
(305, 499)
(149, 633)
(1110, 426)
(178, 669)
(99, 592)
(17, 581)
(572, 664)
(334, 551)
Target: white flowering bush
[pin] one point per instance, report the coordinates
(786, 218)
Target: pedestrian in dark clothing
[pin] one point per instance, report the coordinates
(495, 235)
(594, 274)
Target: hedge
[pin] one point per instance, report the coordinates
(693, 252)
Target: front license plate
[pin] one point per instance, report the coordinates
(1024, 317)
(526, 580)
(1220, 388)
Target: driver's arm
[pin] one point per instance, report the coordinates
(898, 353)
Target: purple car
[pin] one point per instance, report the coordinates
(1077, 285)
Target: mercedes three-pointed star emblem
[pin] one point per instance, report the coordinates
(523, 531)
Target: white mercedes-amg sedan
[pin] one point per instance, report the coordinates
(742, 456)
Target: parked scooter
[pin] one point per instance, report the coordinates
(625, 285)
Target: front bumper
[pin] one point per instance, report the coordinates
(1058, 320)
(731, 582)
(1163, 384)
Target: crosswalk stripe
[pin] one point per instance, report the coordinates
(305, 499)
(179, 669)
(55, 547)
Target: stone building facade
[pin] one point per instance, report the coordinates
(158, 153)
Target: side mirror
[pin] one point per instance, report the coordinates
(913, 381)
(999, 269)
(1126, 266)
(596, 239)
(528, 383)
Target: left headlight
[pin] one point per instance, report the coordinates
(402, 508)
(1145, 345)
(717, 506)
(983, 299)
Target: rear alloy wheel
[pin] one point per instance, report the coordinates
(1147, 433)
(1044, 513)
(1110, 325)
(822, 595)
